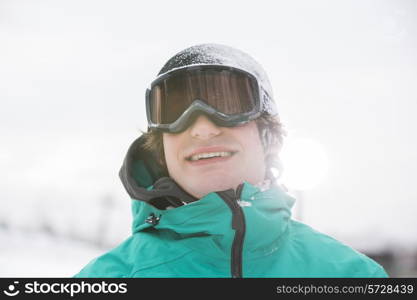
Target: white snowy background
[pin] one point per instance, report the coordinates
(73, 76)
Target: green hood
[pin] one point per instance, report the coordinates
(244, 233)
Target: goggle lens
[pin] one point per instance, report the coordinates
(227, 91)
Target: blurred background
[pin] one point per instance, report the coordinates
(73, 76)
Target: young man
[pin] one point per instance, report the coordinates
(205, 200)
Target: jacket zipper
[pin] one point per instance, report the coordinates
(238, 224)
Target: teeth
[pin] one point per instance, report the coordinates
(209, 155)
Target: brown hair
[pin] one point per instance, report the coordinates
(271, 133)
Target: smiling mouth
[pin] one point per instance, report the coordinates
(210, 155)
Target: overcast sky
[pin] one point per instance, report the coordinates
(73, 76)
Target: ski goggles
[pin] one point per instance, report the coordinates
(227, 95)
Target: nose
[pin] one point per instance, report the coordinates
(203, 128)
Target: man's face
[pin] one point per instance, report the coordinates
(206, 158)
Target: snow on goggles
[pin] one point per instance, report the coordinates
(227, 95)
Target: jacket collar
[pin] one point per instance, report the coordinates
(266, 214)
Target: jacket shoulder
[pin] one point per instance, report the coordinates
(113, 264)
(330, 255)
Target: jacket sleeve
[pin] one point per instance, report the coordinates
(379, 272)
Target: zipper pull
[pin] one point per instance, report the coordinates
(238, 192)
(242, 203)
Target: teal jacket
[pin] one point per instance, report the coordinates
(244, 233)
